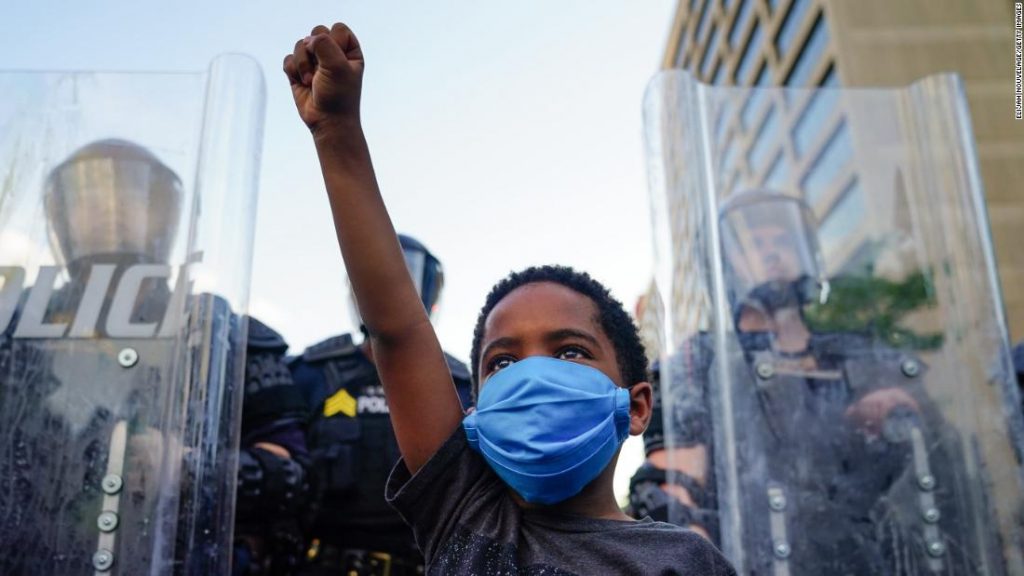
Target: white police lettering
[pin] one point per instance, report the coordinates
(372, 401)
(98, 289)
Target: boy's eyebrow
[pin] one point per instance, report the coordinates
(567, 333)
(503, 342)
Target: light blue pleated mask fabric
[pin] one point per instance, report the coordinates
(548, 427)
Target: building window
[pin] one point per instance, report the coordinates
(720, 77)
(729, 158)
(750, 54)
(721, 123)
(838, 226)
(766, 137)
(778, 174)
(797, 11)
(705, 16)
(834, 156)
(739, 24)
(809, 57)
(830, 80)
(814, 117)
(756, 98)
(709, 53)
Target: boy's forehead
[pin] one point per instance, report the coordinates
(542, 306)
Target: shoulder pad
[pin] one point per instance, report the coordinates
(459, 370)
(333, 347)
(263, 337)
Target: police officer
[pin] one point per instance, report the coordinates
(274, 491)
(353, 446)
(686, 496)
(90, 409)
(837, 450)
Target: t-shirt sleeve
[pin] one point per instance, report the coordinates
(454, 485)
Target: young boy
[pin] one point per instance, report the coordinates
(523, 486)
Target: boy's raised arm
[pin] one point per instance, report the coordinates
(326, 72)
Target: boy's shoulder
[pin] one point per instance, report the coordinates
(643, 546)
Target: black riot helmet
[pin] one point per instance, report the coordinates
(771, 255)
(426, 273)
(112, 198)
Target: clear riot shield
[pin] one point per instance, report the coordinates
(825, 265)
(127, 204)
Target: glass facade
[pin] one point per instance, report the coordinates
(764, 142)
(810, 56)
(709, 54)
(739, 24)
(791, 25)
(814, 119)
(844, 218)
(751, 54)
(834, 157)
(778, 174)
(754, 104)
(705, 17)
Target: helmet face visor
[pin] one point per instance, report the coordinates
(426, 274)
(425, 271)
(768, 242)
(416, 262)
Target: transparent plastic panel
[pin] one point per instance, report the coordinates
(125, 249)
(836, 380)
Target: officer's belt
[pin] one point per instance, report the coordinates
(356, 562)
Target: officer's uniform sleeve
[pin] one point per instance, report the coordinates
(684, 421)
(274, 492)
(273, 408)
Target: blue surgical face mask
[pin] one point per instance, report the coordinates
(548, 427)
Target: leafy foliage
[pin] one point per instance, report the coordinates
(877, 307)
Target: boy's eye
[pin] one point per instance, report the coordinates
(498, 363)
(573, 353)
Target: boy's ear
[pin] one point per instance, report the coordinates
(641, 401)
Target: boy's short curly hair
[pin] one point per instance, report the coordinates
(611, 316)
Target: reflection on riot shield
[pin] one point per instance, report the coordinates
(120, 375)
(834, 312)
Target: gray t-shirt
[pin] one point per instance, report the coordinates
(466, 522)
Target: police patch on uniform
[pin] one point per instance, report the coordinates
(340, 401)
